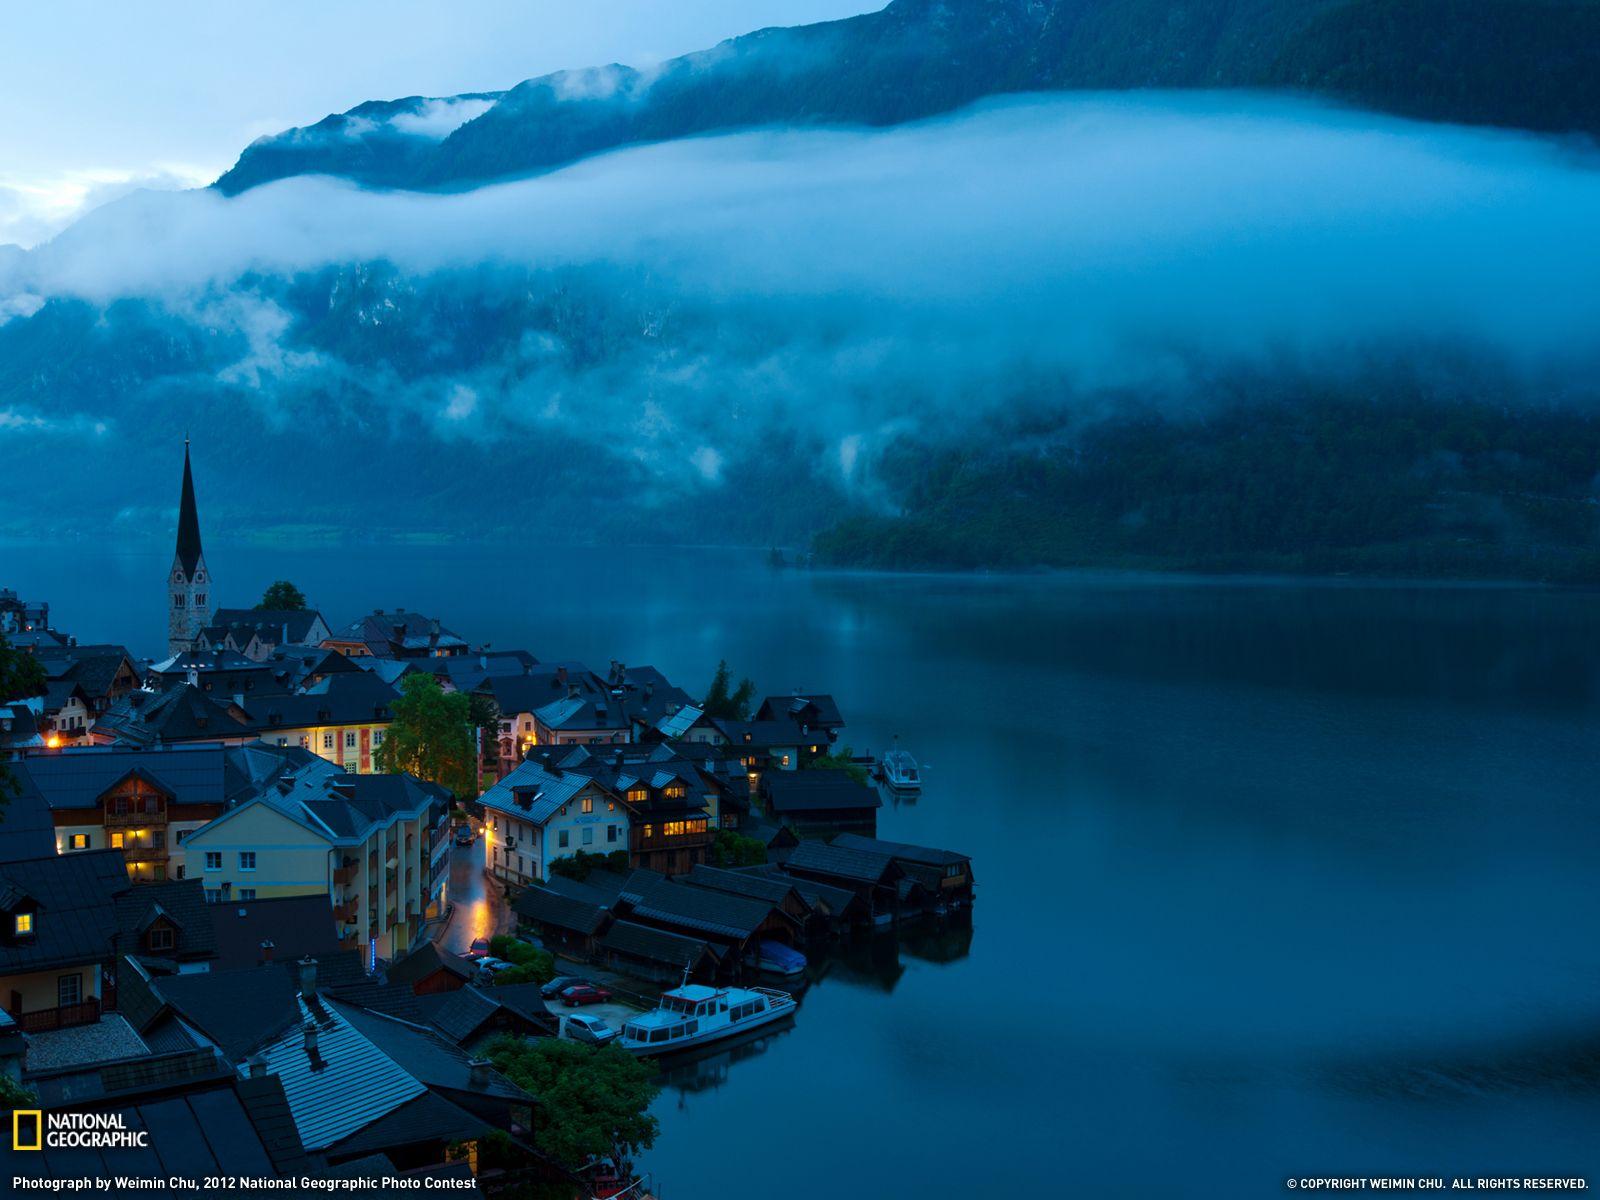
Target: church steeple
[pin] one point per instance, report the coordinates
(188, 519)
(188, 586)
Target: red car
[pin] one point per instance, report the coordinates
(479, 949)
(584, 993)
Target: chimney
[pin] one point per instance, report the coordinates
(478, 1074)
(311, 1043)
(257, 1066)
(266, 947)
(308, 977)
(193, 676)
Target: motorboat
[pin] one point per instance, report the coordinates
(778, 959)
(696, 1015)
(899, 770)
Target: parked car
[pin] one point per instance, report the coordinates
(584, 993)
(464, 836)
(560, 984)
(583, 1028)
(479, 948)
(494, 965)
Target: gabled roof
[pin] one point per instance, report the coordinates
(823, 897)
(903, 851)
(841, 862)
(181, 713)
(817, 790)
(182, 904)
(297, 926)
(653, 945)
(770, 888)
(534, 791)
(717, 913)
(423, 960)
(815, 709)
(547, 907)
(76, 916)
(270, 622)
(395, 633)
(76, 777)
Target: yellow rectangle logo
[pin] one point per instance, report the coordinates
(17, 1122)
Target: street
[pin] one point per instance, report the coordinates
(480, 910)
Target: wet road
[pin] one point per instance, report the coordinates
(480, 908)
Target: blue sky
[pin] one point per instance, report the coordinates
(100, 98)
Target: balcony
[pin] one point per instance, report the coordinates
(345, 873)
(86, 1012)
(393, 888)
(134, 820)
(345, 914)
(144, 854)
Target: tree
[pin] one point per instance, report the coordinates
(842, 760)
(732, 849)
(431, 736)
(593, 1103)
(579, 863)
(721, 702)
(483, 715)
(529, 964)
(21, 677)
(283, 595)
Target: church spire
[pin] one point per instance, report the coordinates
(188, 519)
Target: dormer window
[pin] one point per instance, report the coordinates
(23, 924)
(161, 938)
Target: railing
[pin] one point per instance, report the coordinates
(345, 913)
(346, 873)
(134, 820)
(144, 854)
(86, 1012)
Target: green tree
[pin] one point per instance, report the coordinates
(430, 736)
(283, 595)
(21, 678)
(579, 863)
(529, 964)
(842, 760)
(724, 700)
(731, 849)
(483, 715)
(593, 1103)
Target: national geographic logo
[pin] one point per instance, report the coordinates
(32, 1129)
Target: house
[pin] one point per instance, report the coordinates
(731, 924)
(764, 746)
(427, 970)
(541, 812)
(343, 718)
(82, 682)
(58, 925)
(472, 1015)
(183, 713)
(651, 953)
(257, 632)
(945, 875)
(672, 806)
(397, 634)
(22, 616)
(813, 713)
(875, 878)
(366, 841)
(140, 802)
(167, 927)
(565, 913)
(221, 673)
(19, 727)
(839, 907)
(820, 800)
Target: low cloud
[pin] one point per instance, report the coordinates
(438, 119)
(859, 283)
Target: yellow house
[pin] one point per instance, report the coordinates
(364, 840)
(342, 719)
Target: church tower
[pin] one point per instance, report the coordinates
(189, 584)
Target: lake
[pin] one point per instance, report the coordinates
(1275, 878)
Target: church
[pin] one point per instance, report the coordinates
(189, 582)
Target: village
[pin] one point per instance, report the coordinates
(372, 899)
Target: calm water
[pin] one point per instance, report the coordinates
(1275, 879)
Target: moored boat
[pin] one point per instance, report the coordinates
(778, 959)
(696, 1015)
(900, 771)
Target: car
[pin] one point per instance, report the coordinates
(583, 1028)
(464, 836)
(584, 993)
(494, 965)
(479, 948)
(560, 984)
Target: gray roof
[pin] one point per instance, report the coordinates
(182, 902)
(771, 888)
(817, 790)
(545, 906)
(841, 862)
(76, 919)
(430, 1058)
(653, 945)
(269, 621)
(534, 792)
(716, 913)
(297, 926)
(77, 777)
(926, 855)
(821, 896)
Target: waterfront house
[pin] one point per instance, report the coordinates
(875, 878)
(650, 953)
(541, 812)
(397, 634)
(778, 890)
(944, 875)
(820, 800)
(839, 907)
(731, 924)
(813, 713)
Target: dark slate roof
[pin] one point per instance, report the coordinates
(297, 926)
(546, 907)
(427, 1118)
(771, 888)
(76, 777)
(269, 622)
(425, 1055)
(93, 668)
(627, 887)
(903, 851)
(181, 713)
(26, 827)
(524, 1000)
(817, 790)
(460, 1014)
(819, 710)
(653, 945)
(760, 734)
(862, 866)
(423, 960)
(398, 632)
(716, 913)
(188, 520)
(346, 698)
(77, 911)
(182, 902)
(821, 896)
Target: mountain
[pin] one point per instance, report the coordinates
(1526, 64)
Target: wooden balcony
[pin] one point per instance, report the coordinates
(345, 874)
(144, 854)
(345, 914)
(135, 820)
(86, 1012)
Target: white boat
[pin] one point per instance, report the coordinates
(696, 1015)
(899, 771)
